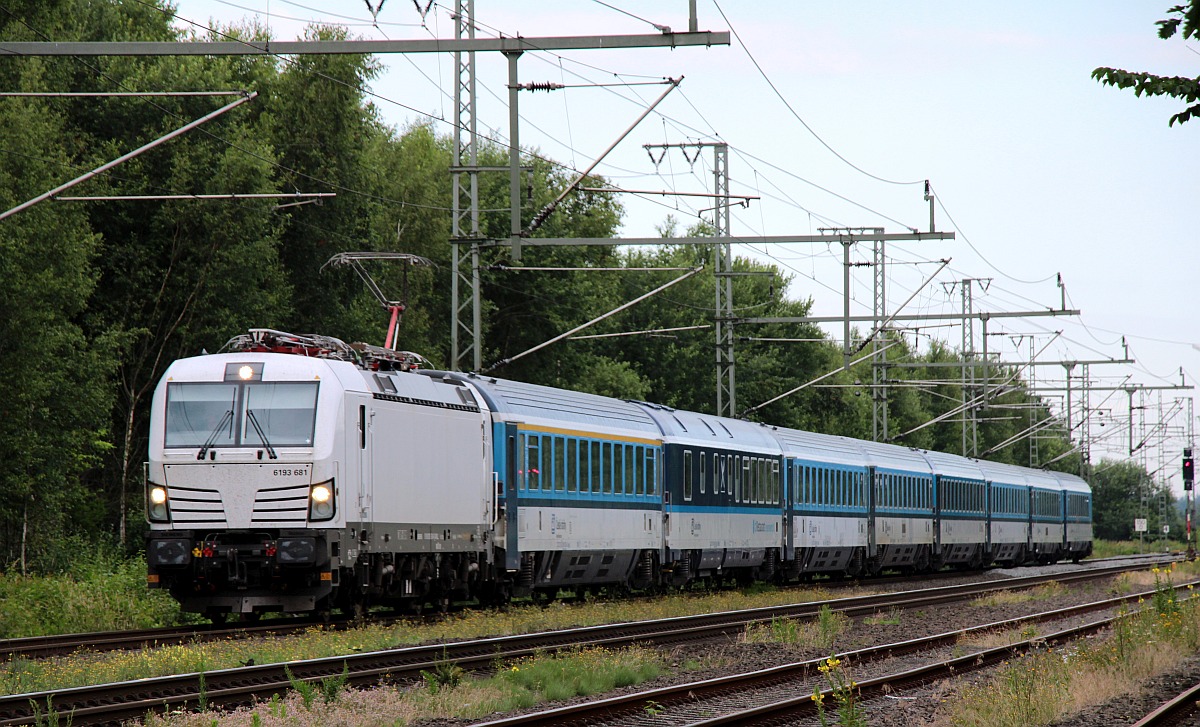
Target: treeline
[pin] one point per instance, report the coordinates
(99, 297)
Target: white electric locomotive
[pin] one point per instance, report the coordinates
(299, 474)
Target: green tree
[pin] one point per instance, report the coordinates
(1117, 491)
(53, 423)
(1187, 18)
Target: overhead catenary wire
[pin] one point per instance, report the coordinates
(989, 263)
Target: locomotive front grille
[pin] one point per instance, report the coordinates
(194, 507)
(281, 505)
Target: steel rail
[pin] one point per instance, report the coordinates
(696, 696)
(1177, 711)
(113, 703)
(40, 647)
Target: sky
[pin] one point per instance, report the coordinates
(835, 114)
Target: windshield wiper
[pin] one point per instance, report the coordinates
(261, 435)
(208, 443)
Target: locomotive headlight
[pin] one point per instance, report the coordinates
(157, 510)
(245, 373)
(320, 501)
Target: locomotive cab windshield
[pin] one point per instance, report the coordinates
(240, 414)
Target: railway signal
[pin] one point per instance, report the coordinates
(1189, 469)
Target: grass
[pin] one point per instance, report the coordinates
(891, 618)
(1110, 548)
(99, 593)
(1049, 685)
(1043, 592)
(18, 676)
(512, 685)
(821, 633)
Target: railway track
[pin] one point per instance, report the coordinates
(41, 647)
(1182, 710)
(112, 703)
(769, 696)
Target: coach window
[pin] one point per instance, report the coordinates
(743, 475)
(750, 480)
(687, 474)
(593, 467)
(619, 469)
(774, 482)
(765, 493)
(636, 473)
(573, 465)
(764, 482)
(651, 471)
(519, 456)
(606, 460)
(533, 464)
(736, 476)
(703, 473)
(558, 463)
(621, 484)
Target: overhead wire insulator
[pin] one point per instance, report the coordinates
(541, 86)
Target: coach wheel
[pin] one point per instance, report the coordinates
(977, 559)
(252, 617)
(494, 595)
(854, 568)
(921, 564)
(217, 617)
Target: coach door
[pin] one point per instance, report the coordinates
(513, 469)
(872, 501)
